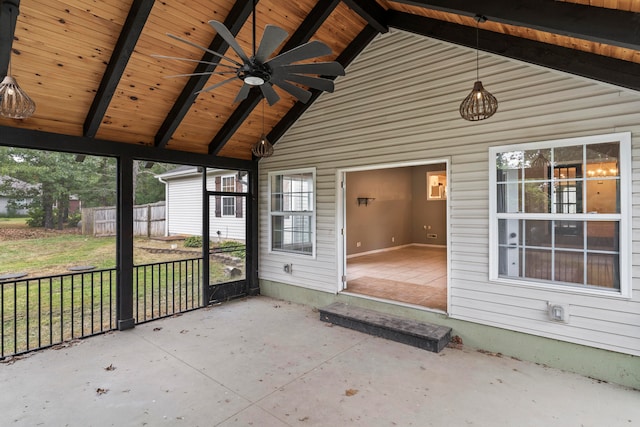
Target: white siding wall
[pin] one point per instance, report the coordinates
(399, 103)
(184, 206)
(184, 210)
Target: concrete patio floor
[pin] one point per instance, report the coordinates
(265, 362)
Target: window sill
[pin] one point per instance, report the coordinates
(566, 289)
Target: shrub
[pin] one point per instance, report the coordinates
(74, 219)
(193, 242)
(36, 216)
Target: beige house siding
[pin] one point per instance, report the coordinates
(399, 104)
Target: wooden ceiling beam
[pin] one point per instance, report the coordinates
(238, 15)
(585, 64)
(596, 24)
(347, 56)
(9, 11)
(370, 11)
(131, 30)
(305, 31)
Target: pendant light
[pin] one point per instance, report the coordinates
(263, 147)
(479, 104)
(14, 102)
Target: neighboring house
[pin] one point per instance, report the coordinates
(10, 205)
(183, 189)
(526, 241)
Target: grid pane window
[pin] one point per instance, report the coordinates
(292, 211)
(228, 206)
(558, 214)
(228, 202)
(229, 184)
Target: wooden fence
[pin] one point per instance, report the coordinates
(148, 220)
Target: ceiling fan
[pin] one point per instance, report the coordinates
(282, 70)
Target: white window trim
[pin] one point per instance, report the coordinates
(625, 215)
(222, 179)
(222, 214)
(312, 214)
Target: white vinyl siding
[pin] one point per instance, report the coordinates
(184, 209)
(399, 103)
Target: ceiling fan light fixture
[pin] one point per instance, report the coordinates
(480, 104)
(254, 80)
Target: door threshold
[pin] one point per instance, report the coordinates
(394, 302)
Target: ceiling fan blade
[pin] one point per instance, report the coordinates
(269, 93)
(199, 74)
(177, 58)
(243, 93)
(302, 94)
(228, 37)
(213, 52)
(212, 87)
(272, 38)
(313, 82)
(304, 51)
(320, 68)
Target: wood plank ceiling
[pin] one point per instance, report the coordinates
(88, 64)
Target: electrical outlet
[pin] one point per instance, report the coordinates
(393, 239)
(558, 312)
(358, 244)
(432, 236)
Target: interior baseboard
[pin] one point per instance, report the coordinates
(377, 251)
(393, 248)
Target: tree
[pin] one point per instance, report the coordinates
(57, 177)
(147, 188)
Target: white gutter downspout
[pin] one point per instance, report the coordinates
(166, 206)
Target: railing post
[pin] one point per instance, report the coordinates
(204, 293)
(124, 242)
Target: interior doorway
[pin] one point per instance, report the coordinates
(395, 233)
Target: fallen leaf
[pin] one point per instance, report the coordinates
(110, 368)
(184, 331)
(157, 329)
(100, 390)
(303, 419)
(351, 392)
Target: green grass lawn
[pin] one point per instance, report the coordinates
(13, 222)
(48, 255)
(43, 310)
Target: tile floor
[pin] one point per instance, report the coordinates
(411, 274)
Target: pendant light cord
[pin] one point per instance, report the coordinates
(13, 35)
(477, 49)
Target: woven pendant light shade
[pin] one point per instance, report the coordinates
(262, 148)
(14, 102)
(479, 104)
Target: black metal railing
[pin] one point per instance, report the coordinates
(165, 288)
(41, 312)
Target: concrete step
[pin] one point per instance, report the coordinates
(418, 334)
